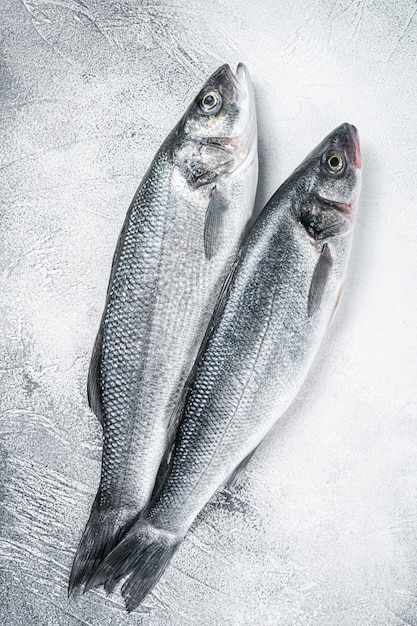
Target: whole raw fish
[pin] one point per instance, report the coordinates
(276, 308)
(180, 237)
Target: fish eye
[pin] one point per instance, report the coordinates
(210, 102)
(335, 162)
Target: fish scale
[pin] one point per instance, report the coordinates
(275, 311)
(197, 196)
(123, 319)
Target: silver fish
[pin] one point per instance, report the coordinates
(276, 308)
(180, 237)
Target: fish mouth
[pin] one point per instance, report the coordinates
(226, 144)
(243, 80)
(341, 207)
(346, 137)
(243, 144)
(239, 79)
(357, 163)
(246, 139)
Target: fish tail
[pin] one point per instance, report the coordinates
(104, 529)
(143, 555)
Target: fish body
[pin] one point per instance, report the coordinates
(180, 237)
(277, 306)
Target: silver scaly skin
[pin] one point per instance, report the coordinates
(277, 306)
(180, 237)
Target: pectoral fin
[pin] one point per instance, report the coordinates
(214, 223)
(320, 279)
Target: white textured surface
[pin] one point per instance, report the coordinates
(323, 530)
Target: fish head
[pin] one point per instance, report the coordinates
(218, 132)
(330, 177)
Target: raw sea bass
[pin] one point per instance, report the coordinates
(276, 308)
(180, 237)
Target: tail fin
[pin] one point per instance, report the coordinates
(143, 556)
(103, 531)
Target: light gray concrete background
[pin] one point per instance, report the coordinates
(323, 530)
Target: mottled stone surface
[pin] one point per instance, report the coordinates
(323, 529)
